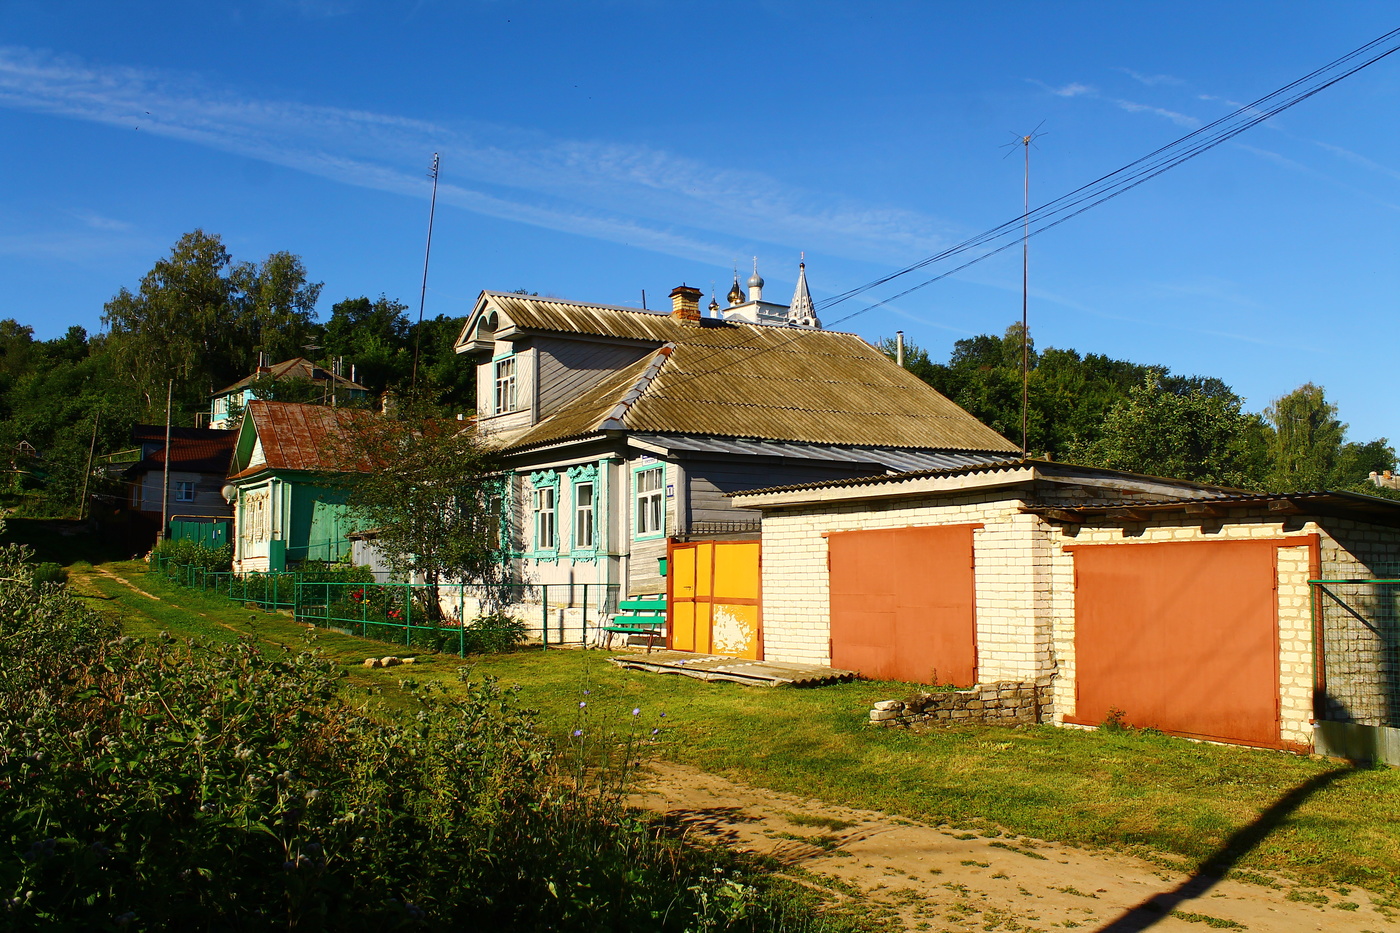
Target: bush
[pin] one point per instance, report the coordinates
(173, 786)
(494, 633)
(49, 572)
(190, 553)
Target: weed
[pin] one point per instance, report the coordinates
(1071, 889)
(1347, 905)
(1115, 721)
(1219, 923)
(977, 864)
(1018, 850)
(1316, 898)
(826, 822)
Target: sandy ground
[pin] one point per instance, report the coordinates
(942, 879)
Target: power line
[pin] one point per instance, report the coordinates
(1107, 187)
(1167, 157)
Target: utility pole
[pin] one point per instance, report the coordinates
(165, 480)
(1025, 143)
(423, 294)
(92, 448)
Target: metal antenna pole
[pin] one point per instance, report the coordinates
(423, 294)
(1025, 302)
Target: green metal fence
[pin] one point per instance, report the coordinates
(1357, 650)
(405, 613)
(402, 612)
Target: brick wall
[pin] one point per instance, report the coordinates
(1025, 600)
(1012, 573)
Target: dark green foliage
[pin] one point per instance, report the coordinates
(494, 633)
(180, 554)
(49, 572)
(1197, 435)
(433, 496)
(174, 786)
(1099, 411)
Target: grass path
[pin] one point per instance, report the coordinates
(1179, 804)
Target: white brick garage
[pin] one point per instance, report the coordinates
(1032, 518)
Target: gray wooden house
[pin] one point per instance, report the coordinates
(624, 430)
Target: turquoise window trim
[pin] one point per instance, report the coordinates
(636, 472)
(543, 479)
(586, 475)
(503, 356)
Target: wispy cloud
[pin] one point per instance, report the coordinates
(1180, 119)
(627, 193)
(1076, 89)
(98, 222)
(1151, 80)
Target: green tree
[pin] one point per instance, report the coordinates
(431, 490)
(200, 321)
(1196, 434)
(374, 336)
(174, 325)
(1308, 446)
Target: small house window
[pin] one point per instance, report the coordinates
(583, 515)
(544, 519)
(651, 506)
(184, 491)
(505, 386)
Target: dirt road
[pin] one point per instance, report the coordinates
(941, 879)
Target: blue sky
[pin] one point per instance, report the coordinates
(593, 150)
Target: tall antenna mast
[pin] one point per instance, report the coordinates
(423, 294)
(1025, 143)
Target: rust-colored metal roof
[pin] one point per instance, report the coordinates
(297, 368)
(302, 437)
(196, 455)
(734, 379)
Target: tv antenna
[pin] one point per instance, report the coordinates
(1025, 143)
(423, 294)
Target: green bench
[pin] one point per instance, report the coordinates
(644, 616)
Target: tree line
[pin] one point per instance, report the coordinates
(197, 321)
(1093, 410)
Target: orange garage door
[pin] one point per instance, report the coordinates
(1179, 637)
(902, 604)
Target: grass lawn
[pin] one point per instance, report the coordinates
(1158, 796)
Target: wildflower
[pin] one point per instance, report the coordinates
(578, 732)
(637, 711)
(582, 704)
(655, 731)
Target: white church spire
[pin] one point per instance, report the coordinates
(802, 312)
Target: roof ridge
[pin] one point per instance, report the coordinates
(616, 420)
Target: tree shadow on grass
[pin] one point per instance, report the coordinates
(1156, 908)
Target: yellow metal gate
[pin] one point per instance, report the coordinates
(713, 589)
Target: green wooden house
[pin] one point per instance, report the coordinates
(289, 485)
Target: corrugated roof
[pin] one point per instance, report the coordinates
(297, 368)
(195, 455)
(891, 458)
(990, 465)
(740, 380)
(302, 437)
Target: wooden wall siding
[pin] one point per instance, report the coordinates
(568, 367)
(710, 480)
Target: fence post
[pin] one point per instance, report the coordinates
(583, 620)
(408, 614)
(461, 620)
(544, 614)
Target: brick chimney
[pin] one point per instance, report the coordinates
(685, 304)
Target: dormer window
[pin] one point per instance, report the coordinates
(505, 386)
